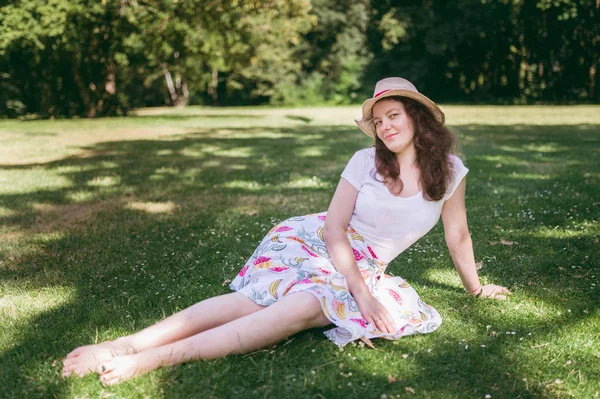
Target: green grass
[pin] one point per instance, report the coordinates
(109, 225)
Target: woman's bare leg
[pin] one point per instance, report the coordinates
(293, 313)
(202, 316)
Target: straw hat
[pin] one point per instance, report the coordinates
(390, 87)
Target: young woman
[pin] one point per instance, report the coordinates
(328, 268)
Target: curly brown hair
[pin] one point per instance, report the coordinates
(433, 143)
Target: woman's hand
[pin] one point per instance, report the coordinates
(494, 291)
(374, 312)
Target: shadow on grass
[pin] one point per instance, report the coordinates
(40, 134)
(299, 118)
(144, 228)
(188, 117)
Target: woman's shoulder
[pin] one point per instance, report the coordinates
(363, 157)
(359, 167)
(459, 171)
(368, 152)
(454, 158)
(456, 162)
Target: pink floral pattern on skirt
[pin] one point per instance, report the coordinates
(293, 257)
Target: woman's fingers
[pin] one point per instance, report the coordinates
(389, 323)
(389, 328)
(495, 292)
(500, 290)
(375, 313)
(384, 321)
(381, 325)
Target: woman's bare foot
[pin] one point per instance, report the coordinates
(122, 368)
(86, 359)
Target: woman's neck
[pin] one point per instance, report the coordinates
(407, 158)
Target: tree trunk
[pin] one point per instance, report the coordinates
(170, 85)
(184, 98)
(108, 103)
(212, 87)
(90, 108)
(182, 91)
(594, 94)
(110, 85)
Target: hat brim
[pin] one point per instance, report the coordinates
(367, 109)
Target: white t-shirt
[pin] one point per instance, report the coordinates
(389, 223)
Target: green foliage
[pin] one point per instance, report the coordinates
(334, 53)
(491, 50)
(270, 36)
(92, 58)
(307, 91)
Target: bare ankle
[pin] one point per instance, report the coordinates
(127, 344)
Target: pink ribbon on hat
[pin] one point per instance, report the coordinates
(380, 93)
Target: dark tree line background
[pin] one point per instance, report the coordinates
(64, 58)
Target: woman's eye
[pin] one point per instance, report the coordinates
(377, 123)
(393, 115)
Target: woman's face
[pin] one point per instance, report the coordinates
(393, 125)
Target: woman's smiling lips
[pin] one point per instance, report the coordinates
(390, 136)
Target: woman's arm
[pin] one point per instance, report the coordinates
(338, 217)
(458, 239)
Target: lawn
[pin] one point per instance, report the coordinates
(109, 225)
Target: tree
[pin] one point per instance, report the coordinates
(490, 50)
(84, 57)
(93, 58)
(333, 55)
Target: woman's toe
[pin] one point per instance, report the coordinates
(67, 370)
(114, 381)
(106, 367)
(110, 378)
(74, 353)
(105, 378)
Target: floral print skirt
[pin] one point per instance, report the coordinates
(293, 257)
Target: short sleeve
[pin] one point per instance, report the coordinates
(355, 171)
(458, 174)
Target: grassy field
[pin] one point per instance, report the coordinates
(109, 225)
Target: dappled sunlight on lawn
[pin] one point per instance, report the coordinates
(104, 181)
(548, 147)
(246, 185)
(152, 207)
(457, 349)
(530, 176)
(314, 151)
(34, 180)
(250, 133)
(514, 116)
(124, 221)
(306, 182)
(500, 159)
(444, 277)
(576, 229)
(5, 212)
(17, 306)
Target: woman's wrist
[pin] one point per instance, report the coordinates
(358, 288)
(476, 291)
